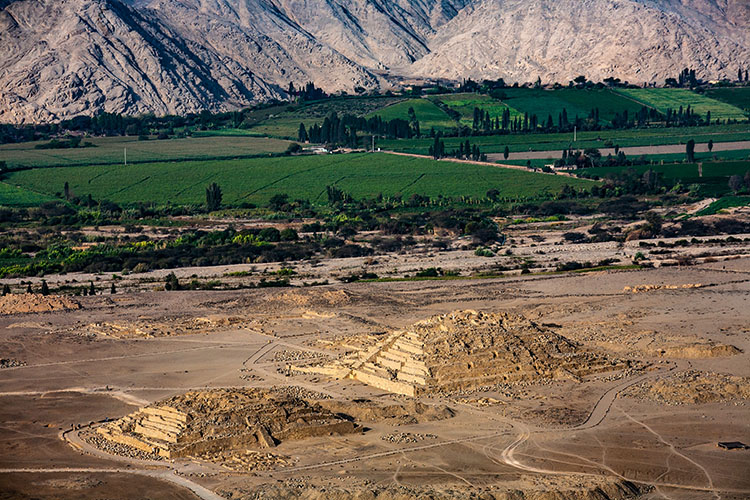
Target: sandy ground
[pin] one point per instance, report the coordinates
(537, 437)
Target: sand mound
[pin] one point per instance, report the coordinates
(697, 351)
(35, 302)
(222, 422)
(469, 349)
(327, 299)
(692, 387)
(165, 327)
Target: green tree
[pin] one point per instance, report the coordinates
(171, 282)
(112, 289)
(66, 190)
(92, 290)
(6, 290)
(289, 234)
(28, 288)
(277, 201)
(735, 183)
(506, 152)
(710, 145)
(293, 149)
(690, 151)
(302, 134)
(45, 288)
(213, 197)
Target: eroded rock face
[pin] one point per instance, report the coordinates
(204, 422)
(61, 58)
(634, 40)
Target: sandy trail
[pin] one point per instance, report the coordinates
(675, 452)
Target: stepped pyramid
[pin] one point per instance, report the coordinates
(469, 349)
(150, 429)
(201, 422)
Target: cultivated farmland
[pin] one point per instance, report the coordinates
(595, 139)
(256, 180)
(427, 112)
(284, 121)
(464, 104)
(736, 96)
(663, 99)
(11, 195)
(112, 150)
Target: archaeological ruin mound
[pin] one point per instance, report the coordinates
(35, 302)
(469, 349)
(203, 422)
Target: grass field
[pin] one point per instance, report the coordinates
(554, 142)
(111, 150)
(739, 96)
(428, 114)
(662, 99)
(256, 180)
(464, 104)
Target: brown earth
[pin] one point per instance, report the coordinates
(542, 436)
(35, 302)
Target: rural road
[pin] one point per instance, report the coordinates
(629, 151)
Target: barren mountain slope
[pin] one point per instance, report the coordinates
(260, 36)
(68, 57)
(65, 57)
(635, 40)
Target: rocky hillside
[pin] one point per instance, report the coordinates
(634, 40)
(61, 58)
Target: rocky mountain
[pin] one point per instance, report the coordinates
(634, 40)
(60, 58)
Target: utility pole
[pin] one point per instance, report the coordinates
(575, 133)
(373, 143)
(126, 156)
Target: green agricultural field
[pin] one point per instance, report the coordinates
(11, 195)
(112, 150)
(662, 99)
(256, 180)
(594, 139)
(542, 103)
(737, 96)
(608, 102)
(464, 104)
(428, 114)
(284, 121)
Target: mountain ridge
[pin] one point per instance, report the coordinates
(68, 57)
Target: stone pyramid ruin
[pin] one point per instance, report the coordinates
(468, 349)
(202, 422)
